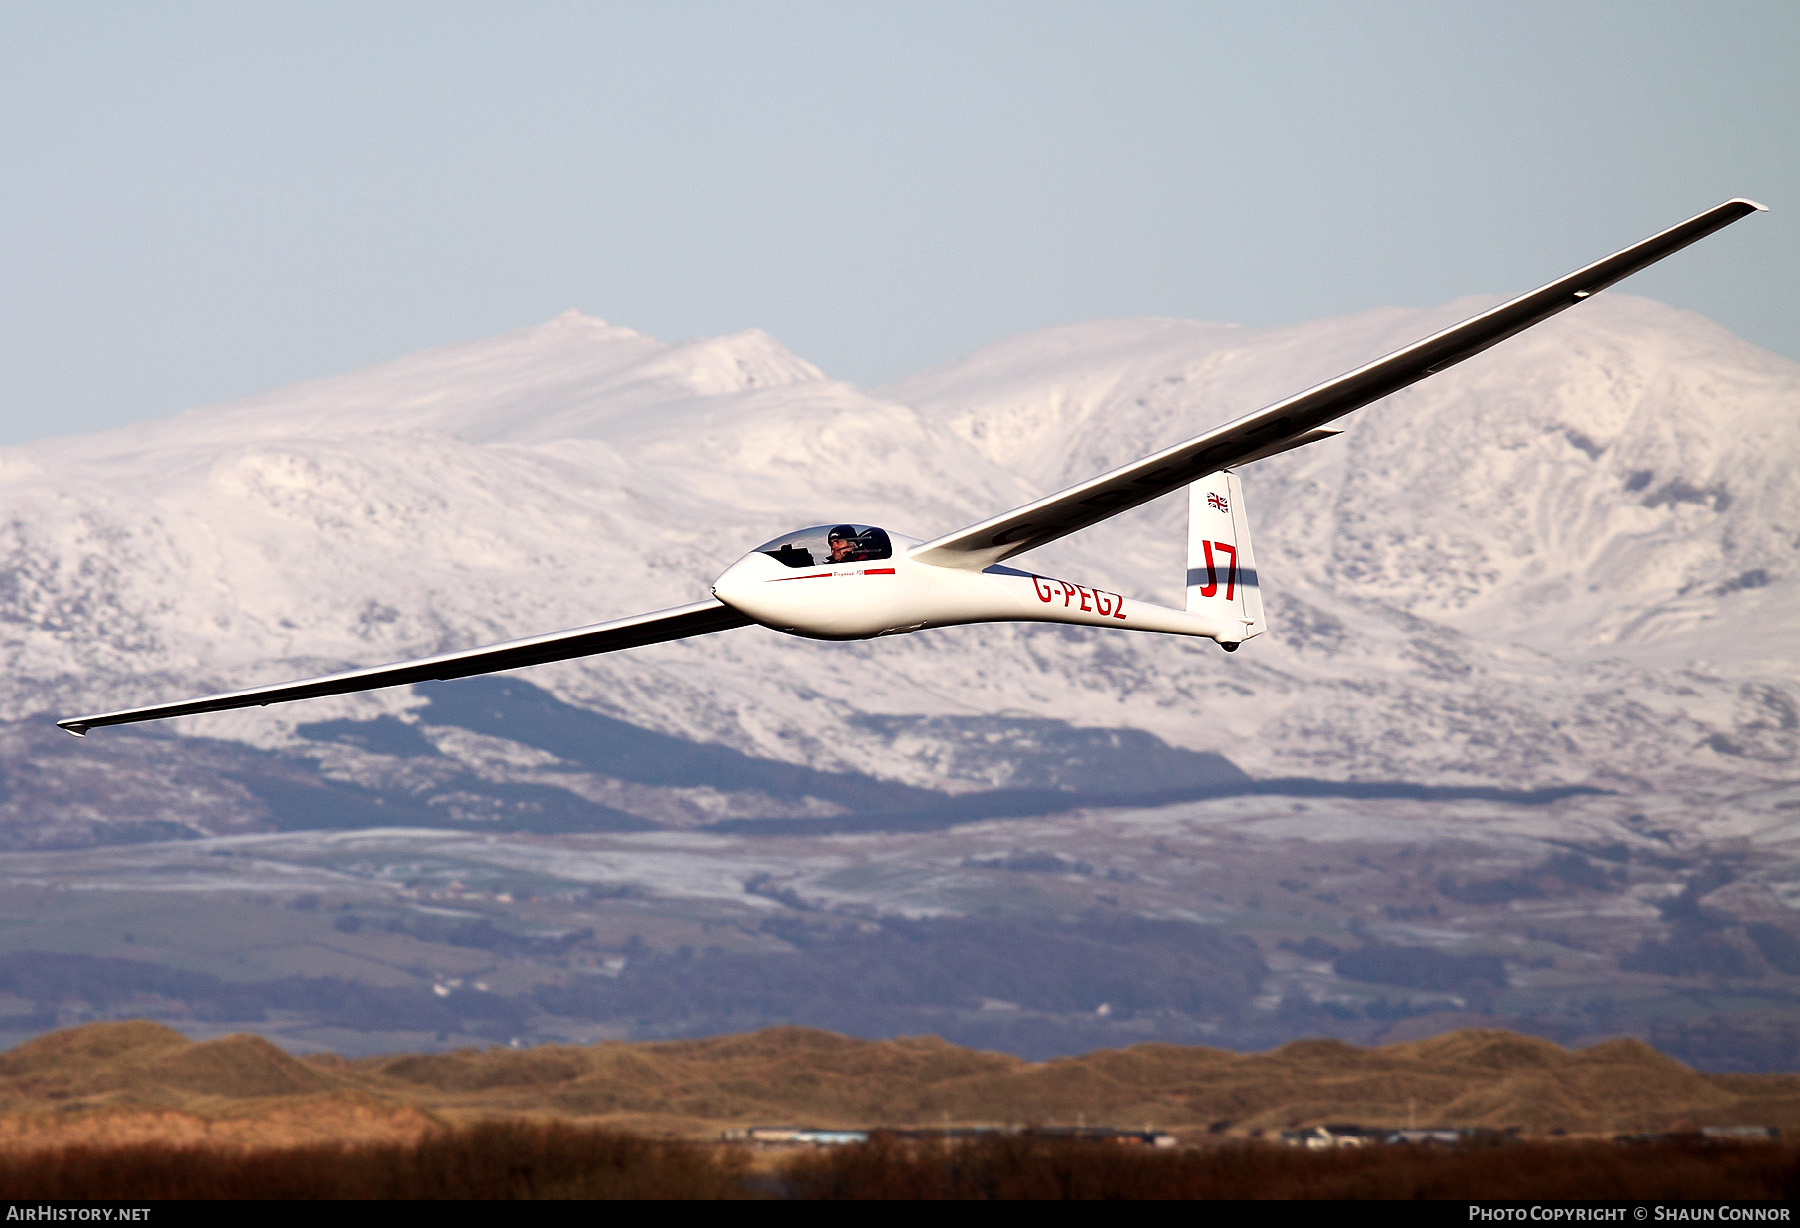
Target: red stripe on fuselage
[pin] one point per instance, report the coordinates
(825, 575)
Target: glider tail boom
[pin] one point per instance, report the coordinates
(1222, 580)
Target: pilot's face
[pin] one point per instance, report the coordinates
(839, 548)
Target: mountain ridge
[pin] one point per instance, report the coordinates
(186, 555)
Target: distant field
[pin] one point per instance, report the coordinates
(1239, 923)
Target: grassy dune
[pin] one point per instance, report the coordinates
(122, 1082)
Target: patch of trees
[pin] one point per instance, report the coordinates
(479, 933)
(1568, 868)
(1704, 942)
(1380, 963)
(1313, 947)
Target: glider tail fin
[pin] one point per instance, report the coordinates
(1221, 571)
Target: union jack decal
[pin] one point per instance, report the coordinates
(1218, 501)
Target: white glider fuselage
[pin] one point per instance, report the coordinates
(893, 594)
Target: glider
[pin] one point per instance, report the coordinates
(852, 581)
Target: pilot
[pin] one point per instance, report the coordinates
(846, 546)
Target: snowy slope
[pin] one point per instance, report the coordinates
(1570, 560)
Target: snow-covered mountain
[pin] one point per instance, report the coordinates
(1572, 560)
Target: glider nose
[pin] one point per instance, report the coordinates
(752, 586)
(738, 581)
(728, 583)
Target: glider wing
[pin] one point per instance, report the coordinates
(1298, 419)
(701, 618)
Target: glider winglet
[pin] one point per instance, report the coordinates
(1270, 430)
(700, 618)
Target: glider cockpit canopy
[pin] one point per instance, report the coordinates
(825, 544)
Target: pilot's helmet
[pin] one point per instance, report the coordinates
(843, 533)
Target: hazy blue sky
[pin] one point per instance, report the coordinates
(205, 201)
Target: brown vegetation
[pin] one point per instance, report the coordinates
(557, 1160)
(487, 1160)
(1023, 1167)
(119, 1082)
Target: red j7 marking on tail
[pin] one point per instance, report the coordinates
(1212, 572)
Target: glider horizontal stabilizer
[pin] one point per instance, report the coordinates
(1262, 433)
(700, 618)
